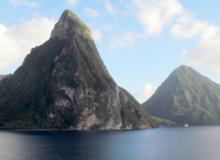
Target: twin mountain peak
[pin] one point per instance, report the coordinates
(63, 84)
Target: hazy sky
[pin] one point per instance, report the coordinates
(140, 41)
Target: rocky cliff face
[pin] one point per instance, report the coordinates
(186, 97)
(64, 84)
(1, 77)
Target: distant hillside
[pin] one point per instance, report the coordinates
(186, 97)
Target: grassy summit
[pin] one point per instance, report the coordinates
(85, 30)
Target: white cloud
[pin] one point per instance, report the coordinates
(189, 27)
(72, 2)
(30, 3)
(16, 41)
(206, 53)
(124, 39)
(146, 92)
(155, 15)
(97, 35)
(110, 8)
(91, 13)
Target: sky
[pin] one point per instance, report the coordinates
(140, 41)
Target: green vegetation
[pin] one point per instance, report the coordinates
(86, 33)
(64, 84)
(186, 97)
(163, 122)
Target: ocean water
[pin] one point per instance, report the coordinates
(192, 143)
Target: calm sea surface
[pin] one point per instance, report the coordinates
(192, 143)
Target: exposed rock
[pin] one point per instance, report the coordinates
(2, 76)
(64, 84)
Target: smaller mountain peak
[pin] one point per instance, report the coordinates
(183, 69)
(181, 74)
(69, 24)
(185, 75)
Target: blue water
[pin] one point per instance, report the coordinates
(192, 143)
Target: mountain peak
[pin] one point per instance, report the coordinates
(184, 68)
(186, 96)
(184, 72)
(68, 13)
(69, 25)
(64, 84)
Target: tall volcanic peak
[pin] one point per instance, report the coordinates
(186, 96)
(63, 84)
(69, 25)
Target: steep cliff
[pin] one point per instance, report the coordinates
(63, 84)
